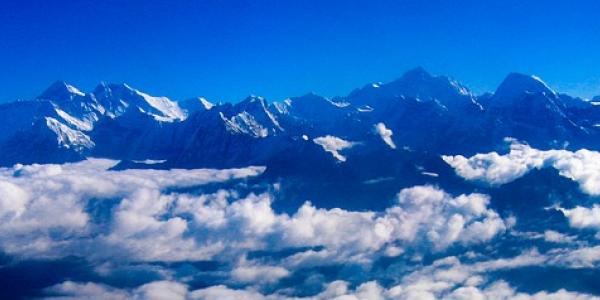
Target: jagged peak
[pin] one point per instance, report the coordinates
(204, 102)
(105, 87)
(415, 83)
(253, 98)
(420, 77)
(308, 97)
(252, 101)
(60, 90)
(195, 104)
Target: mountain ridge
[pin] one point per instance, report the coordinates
(426, 113)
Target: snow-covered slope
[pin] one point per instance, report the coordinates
(190, 106)
(117, 98)
(426, 113)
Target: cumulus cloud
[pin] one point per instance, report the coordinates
(445, 278)
(557, 237)
(333, 145)
(582, 166)
(582, 217)
(136, 216)
(83, 209)
(423, 217)
(385, 134)
(340, 290)
(13, 201)
(157, 290)
(45, 209)
(251, 273)
(423, 290)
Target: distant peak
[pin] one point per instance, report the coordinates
(104, 87)
(253, 99)
(59, 84)
(60, 90)
(516, 84)
(207, 104)
(310, 95)
(417, 73)
(196, 104)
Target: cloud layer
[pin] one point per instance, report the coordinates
(150, 219)
(582, 166)
(141, 220)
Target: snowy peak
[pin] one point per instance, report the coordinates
(416, 83)
(517, 84)
(251, 116)
(193, 105)
(161, 108)
(61, 90)
(256, 106)
(107, 89)
(312, 106)
(120, 121)
(419, 83)
(69, 138)
(252, 102)
(416, 74)
(119, 97)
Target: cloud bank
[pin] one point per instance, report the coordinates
(119, 220)
(445, 278)
(129, 213)
(582, 166)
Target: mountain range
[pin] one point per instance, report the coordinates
(425, 113)
(499, 179)
(392, 134)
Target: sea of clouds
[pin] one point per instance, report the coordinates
(428, 244)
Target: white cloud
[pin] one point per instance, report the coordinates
(424, 216)
(582, 217)
(385, 134)
(13, 200)
(549, 236)
(445, 278)
(74, 290)
(246, 272)
(145, 223)
(557, 237)
(161, 290)
(48, 211)
(224, 293)
(582, 166)
(333, 145)
(157, 290)
(141, 222)
(43, 208)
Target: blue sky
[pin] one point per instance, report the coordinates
(225, 50)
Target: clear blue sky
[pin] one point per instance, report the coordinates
(225, 50)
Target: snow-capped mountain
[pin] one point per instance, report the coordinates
(418, 112)
(352, 157)
(63, 118)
